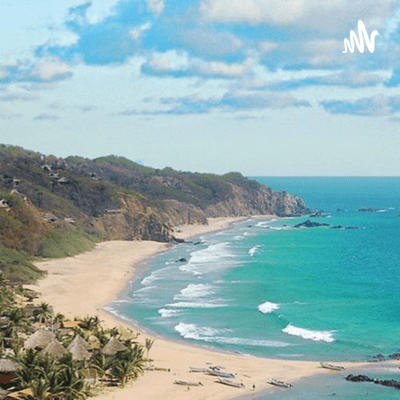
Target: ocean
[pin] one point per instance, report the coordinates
(266, 288)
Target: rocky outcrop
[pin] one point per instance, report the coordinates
(365, 378)
(310, 224)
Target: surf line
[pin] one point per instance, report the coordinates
(359, 41)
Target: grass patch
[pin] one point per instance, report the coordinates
(58, 244)
(17, 265)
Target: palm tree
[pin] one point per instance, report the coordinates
(73, 385)
(28, 371)
(44, 313)
(18, 320)
(113, 332)
(59, 317)
(40, 389)
(129, 364)
(124, 371)
(148, 345)
(101, 364)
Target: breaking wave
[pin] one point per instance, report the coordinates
(267, 307)
(317, 336)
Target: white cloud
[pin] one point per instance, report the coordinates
(155, 6)
(234, 70)
(324, 52)
(137, 32)
(253, 11)
(169, 61)
(331, 16)
(49, 68)
(267, 47)
(3, 73)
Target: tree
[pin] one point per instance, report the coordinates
(73, 385)
(149, 344)
(101, 364)
(128, 364)
(44, 312)
(59, 317)
(40, 389)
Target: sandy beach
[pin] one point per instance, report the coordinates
(84, 284)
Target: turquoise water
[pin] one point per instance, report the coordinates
(269, 289)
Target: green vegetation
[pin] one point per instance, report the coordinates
(58, 244)
(124, 162)
(17, 265)
(17, 150)
(177, 194)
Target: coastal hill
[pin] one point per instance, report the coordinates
(56, 207)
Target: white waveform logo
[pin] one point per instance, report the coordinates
(359, 41)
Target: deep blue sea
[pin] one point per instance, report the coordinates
(266, 288)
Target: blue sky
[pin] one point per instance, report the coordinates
(257, 86)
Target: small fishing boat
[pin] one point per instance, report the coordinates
(195, 369)
(188, 383)
(332, 367)
(221, 374)
(230, 383)
(280, 383)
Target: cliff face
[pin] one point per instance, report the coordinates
(123, 200)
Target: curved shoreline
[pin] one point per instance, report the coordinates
(83, 285)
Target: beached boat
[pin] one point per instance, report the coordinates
(230, 383)
(280, 383)
(188, 383)
(332, 367)
(195, 369)
(221, 374)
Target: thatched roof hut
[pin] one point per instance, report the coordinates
(8, 365)
(80, 341)
(40, 339)
(79, 352)
(8, 370)
(55, 348)
(113, 347)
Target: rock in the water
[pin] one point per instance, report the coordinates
(183, 259)
(310, 224)
(365, 378)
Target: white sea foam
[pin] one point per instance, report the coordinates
(317, 336)
(156, 275)
(193, 291)
(280, 228)
(207, 334)
(192, 331)
(250, 342)
(254, 249)
(192, 304)
(148, 280)
(165, 313)
(145, 289)
(264, 224)
(267, 307)
(214, 257)
(382, 211)
(238, 237)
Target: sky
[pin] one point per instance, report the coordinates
(262, 87)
